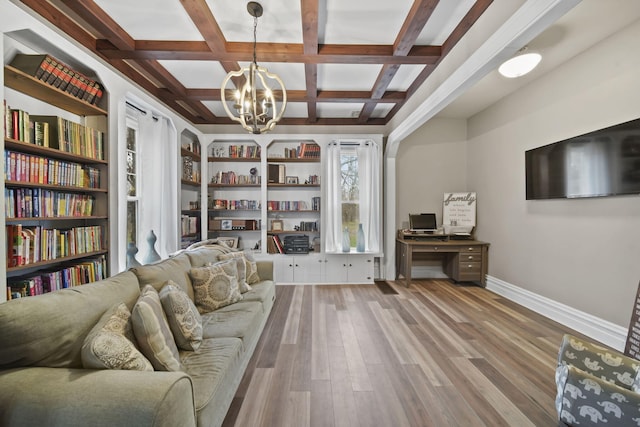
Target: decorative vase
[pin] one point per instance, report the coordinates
(132, 250)
(152, 254)
(360, 239)
(346, 241)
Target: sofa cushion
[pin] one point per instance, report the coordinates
(205, 254)
(215, 286)
(242, 269)
(152, 332)
(213, 367)
(49, 329)
(252, 269)
(110, 344)
(176, 269)
(263, 292)
(183, 316)
(240, 320)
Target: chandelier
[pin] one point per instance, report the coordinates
(254, 104)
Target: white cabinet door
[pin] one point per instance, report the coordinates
(298, 268)
(349, 268)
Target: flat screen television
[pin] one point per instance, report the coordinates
(605, 162)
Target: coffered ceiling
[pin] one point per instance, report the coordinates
(344, 62)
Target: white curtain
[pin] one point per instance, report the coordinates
(333, 205)
(158, 148)
(369, 190)
(369, 179)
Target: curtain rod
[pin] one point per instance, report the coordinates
(135, 107)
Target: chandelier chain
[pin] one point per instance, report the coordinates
(255, 30)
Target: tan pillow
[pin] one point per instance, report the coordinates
(152, 331)
(110, 344)
(215, 286)
(252, 269)
(184, 319)
(242, 269)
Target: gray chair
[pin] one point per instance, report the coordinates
(596, 386)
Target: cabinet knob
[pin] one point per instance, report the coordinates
(297, 265)
(469, 266)
(350, 265)
(471, 249)
(470, 256)
(368, 260)
(290, 265)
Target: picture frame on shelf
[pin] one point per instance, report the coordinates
(226, 224)
(292, 180)
(232, 242)
(277, 225)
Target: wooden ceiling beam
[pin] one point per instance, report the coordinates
(302, 96)
(90, 12)
(270, 52)
(413, 25)
(309, 12)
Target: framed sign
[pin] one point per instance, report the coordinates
(459, 209)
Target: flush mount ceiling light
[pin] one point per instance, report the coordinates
(521, 64)
(260, 101)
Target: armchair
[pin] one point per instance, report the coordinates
(596, 385)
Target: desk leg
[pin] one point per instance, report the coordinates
(408, 261)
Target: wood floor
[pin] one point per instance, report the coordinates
(434, 354)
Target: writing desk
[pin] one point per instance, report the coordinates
(462, 260)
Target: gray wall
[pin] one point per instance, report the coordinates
(582, 253)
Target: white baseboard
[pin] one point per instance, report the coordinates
(601, 330)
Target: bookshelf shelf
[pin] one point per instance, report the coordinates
(231, 186)
(271, 232)
(190, 183)
(53, 218)
(56, 261)
(187, 153)
(291, 211)
(234, 159)
(25, 147)
(293, 160)
(55, 187)
(22, 82)
(276, 185)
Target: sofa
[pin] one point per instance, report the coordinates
(44, 380)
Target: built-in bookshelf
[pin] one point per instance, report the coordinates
(190, 215)
(293, 193)
(55, 179)
(234, 192)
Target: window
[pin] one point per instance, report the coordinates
(133, 192)
(353, 194)
(349, 181)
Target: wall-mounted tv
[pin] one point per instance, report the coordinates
(605, 162)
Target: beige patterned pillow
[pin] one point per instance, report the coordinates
(110, 344)
(184, 319)
(215, 285)
(152, 331)
(252, 269)
(242, 269)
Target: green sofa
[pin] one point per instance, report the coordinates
(43, 382)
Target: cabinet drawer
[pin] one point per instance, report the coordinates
(469, 267)
(470, 277)
(470, 257)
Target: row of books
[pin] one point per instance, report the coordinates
(274, 245)
(287, 205)
(188, 225)
(90, 270)
(22, 167)
(307, 226)
(315, 203)
(54, 132)
(232, 178)
(306, 150)
(42, 203)
(248, 205)
(31, 244)
(238, 152)
(57, 74)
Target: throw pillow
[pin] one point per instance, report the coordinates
(252, 269)
(215, 285)
(110, 344)
(184, 319)
(242, 269)
(152, 331)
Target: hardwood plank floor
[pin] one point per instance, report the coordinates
(434, 354)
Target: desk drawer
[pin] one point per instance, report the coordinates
(469, 267)
(470, 257)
